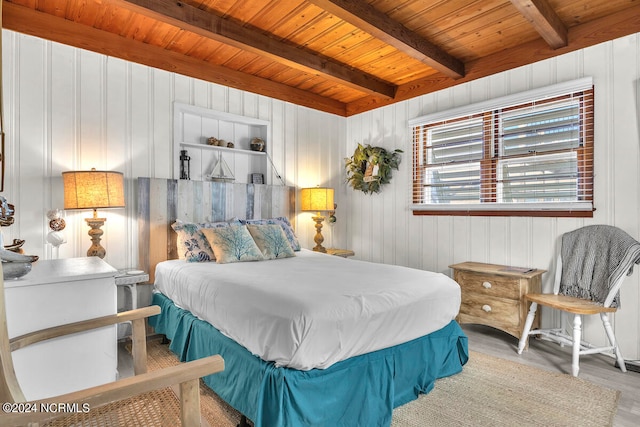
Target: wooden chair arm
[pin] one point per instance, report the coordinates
(84, 325)
(123, 389)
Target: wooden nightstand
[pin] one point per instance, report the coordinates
(344, 253)
(493, 294)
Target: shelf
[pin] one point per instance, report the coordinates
(194, 125)
(223, 149)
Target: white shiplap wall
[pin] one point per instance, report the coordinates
(382, 229)
(66, 109)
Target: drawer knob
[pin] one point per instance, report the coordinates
(486, 308)
(487, 285)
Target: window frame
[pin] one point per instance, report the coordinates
(487, 204)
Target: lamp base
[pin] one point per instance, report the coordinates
(318, 237)
(96, 233)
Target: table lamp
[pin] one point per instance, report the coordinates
(317, 199)
(93, 190)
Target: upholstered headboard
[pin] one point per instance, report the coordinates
(162, 201)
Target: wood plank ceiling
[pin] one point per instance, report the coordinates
(339, 56)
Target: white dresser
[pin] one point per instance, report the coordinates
(56, 292)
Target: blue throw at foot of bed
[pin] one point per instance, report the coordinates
(360, 391)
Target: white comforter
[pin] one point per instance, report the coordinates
(312, 310)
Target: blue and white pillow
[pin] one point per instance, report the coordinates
(192, 245)
(232, 244)
(271, 241)
(282, 222)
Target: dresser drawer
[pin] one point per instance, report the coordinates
(489, 284)
(484, 308)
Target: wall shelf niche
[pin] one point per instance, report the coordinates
(194, 125)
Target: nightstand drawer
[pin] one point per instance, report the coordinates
(484, 308)
(489, 284)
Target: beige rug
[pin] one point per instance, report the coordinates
(488, 392)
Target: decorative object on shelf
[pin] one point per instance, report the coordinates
(370, 167)
(15, 246)
(184, 165)
(6, 212)
(257, 144)
(94, 190)
(14, 263)
(221, 171)
(317, 199)
(215, 142)
(257, 178)
(56, 223)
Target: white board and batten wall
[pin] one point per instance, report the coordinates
(382, 229)
(69, 109)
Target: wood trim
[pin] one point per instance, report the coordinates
(540, 214)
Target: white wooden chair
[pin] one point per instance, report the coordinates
(597, 259)
(187, 375)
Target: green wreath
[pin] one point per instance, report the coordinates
(370, 167)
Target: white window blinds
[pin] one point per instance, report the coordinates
(523, 153)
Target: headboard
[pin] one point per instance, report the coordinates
(162, 201)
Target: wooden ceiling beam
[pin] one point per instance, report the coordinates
(208, 25)
(29, 21)
(545, 20)
(380, 26)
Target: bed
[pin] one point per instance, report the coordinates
(308, 340)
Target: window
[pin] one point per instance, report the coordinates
(525, 154)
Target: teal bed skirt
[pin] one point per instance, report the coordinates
(360, 391)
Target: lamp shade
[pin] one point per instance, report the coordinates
(316, 199)
(93, 189)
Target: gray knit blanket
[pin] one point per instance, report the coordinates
(593, 258)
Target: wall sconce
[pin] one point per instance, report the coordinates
(93, 190)
(317, 199)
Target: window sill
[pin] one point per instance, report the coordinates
(577, 210)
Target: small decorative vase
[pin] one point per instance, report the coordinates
(257, 144)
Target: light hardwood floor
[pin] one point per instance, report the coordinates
(598, 369)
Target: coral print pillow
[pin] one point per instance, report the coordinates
(271, 241)
(232, 244)
(286, 227)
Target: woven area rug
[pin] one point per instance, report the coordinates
(488, 392)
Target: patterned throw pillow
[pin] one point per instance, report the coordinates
(286, 227)
(271, 241)
(192, 245)
(232, 244)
